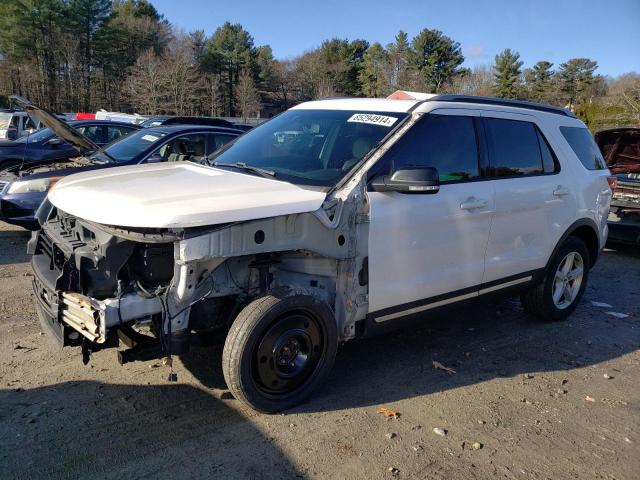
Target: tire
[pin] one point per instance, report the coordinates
(278, 350)
(9, 165)
(540, 301)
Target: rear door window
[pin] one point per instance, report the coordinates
(95, 133)
(115, 132)
(187, 147)
(217, 140)
(517, 148)
(585, 148)
(445, 142)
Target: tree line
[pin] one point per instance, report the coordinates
(82, 55)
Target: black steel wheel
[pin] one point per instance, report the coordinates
(279, 348)
(288, 353)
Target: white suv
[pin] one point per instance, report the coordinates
(337, 219)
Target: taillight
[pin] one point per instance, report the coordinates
(613, 183)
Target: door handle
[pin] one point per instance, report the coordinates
(561, 191)
(472, 203)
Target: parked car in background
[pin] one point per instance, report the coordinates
(13, 124)
(44, 146)
(621, 150)
(155, 121)
(20, 196)
(373, 211)
(215, 121)
(119, 117)
(243, 126)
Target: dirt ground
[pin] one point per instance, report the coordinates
(541, 400)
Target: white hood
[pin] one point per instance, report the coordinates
(177, 195)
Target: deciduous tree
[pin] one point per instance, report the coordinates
(398, 62)
(247, 96)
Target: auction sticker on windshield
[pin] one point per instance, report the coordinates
(149, 138)
(373, 119)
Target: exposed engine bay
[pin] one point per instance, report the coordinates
(151, 289)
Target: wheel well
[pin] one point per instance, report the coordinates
(588, 235)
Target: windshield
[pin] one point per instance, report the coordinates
(310, 147)
(132, 145)
(5, 118)
(37, 136)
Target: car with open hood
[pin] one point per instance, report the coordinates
(45, 146)
(621, 150)
(334, 220)
(21, 195)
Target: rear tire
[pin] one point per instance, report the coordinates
(278, 350)
(557, 296)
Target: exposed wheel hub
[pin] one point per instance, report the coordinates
(288, 354)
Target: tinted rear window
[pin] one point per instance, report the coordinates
(584, 147)
(516, 148)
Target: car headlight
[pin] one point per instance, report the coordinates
(31, 186)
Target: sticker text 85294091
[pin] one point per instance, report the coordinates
(373, 119)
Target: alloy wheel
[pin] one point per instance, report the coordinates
(567, 280)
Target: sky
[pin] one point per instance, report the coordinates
(607, 31)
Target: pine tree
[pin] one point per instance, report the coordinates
(576, 76)
(436, 58)
(229, 51)
(538, 80)
(398, 54)
(372, 74)
(507, 73)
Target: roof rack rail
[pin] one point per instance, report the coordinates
(502, 101)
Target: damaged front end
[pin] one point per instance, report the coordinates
(99, 286)
(92, 285)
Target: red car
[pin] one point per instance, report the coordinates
(621, 150)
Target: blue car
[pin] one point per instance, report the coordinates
(20, 196)
(44, 146)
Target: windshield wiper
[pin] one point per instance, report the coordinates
(248, 168)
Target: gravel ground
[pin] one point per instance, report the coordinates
(528, 400)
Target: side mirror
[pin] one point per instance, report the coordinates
(55, 142)
(12, 134)
(155, 158)
(408, 180)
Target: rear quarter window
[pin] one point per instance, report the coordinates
(585, 148)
